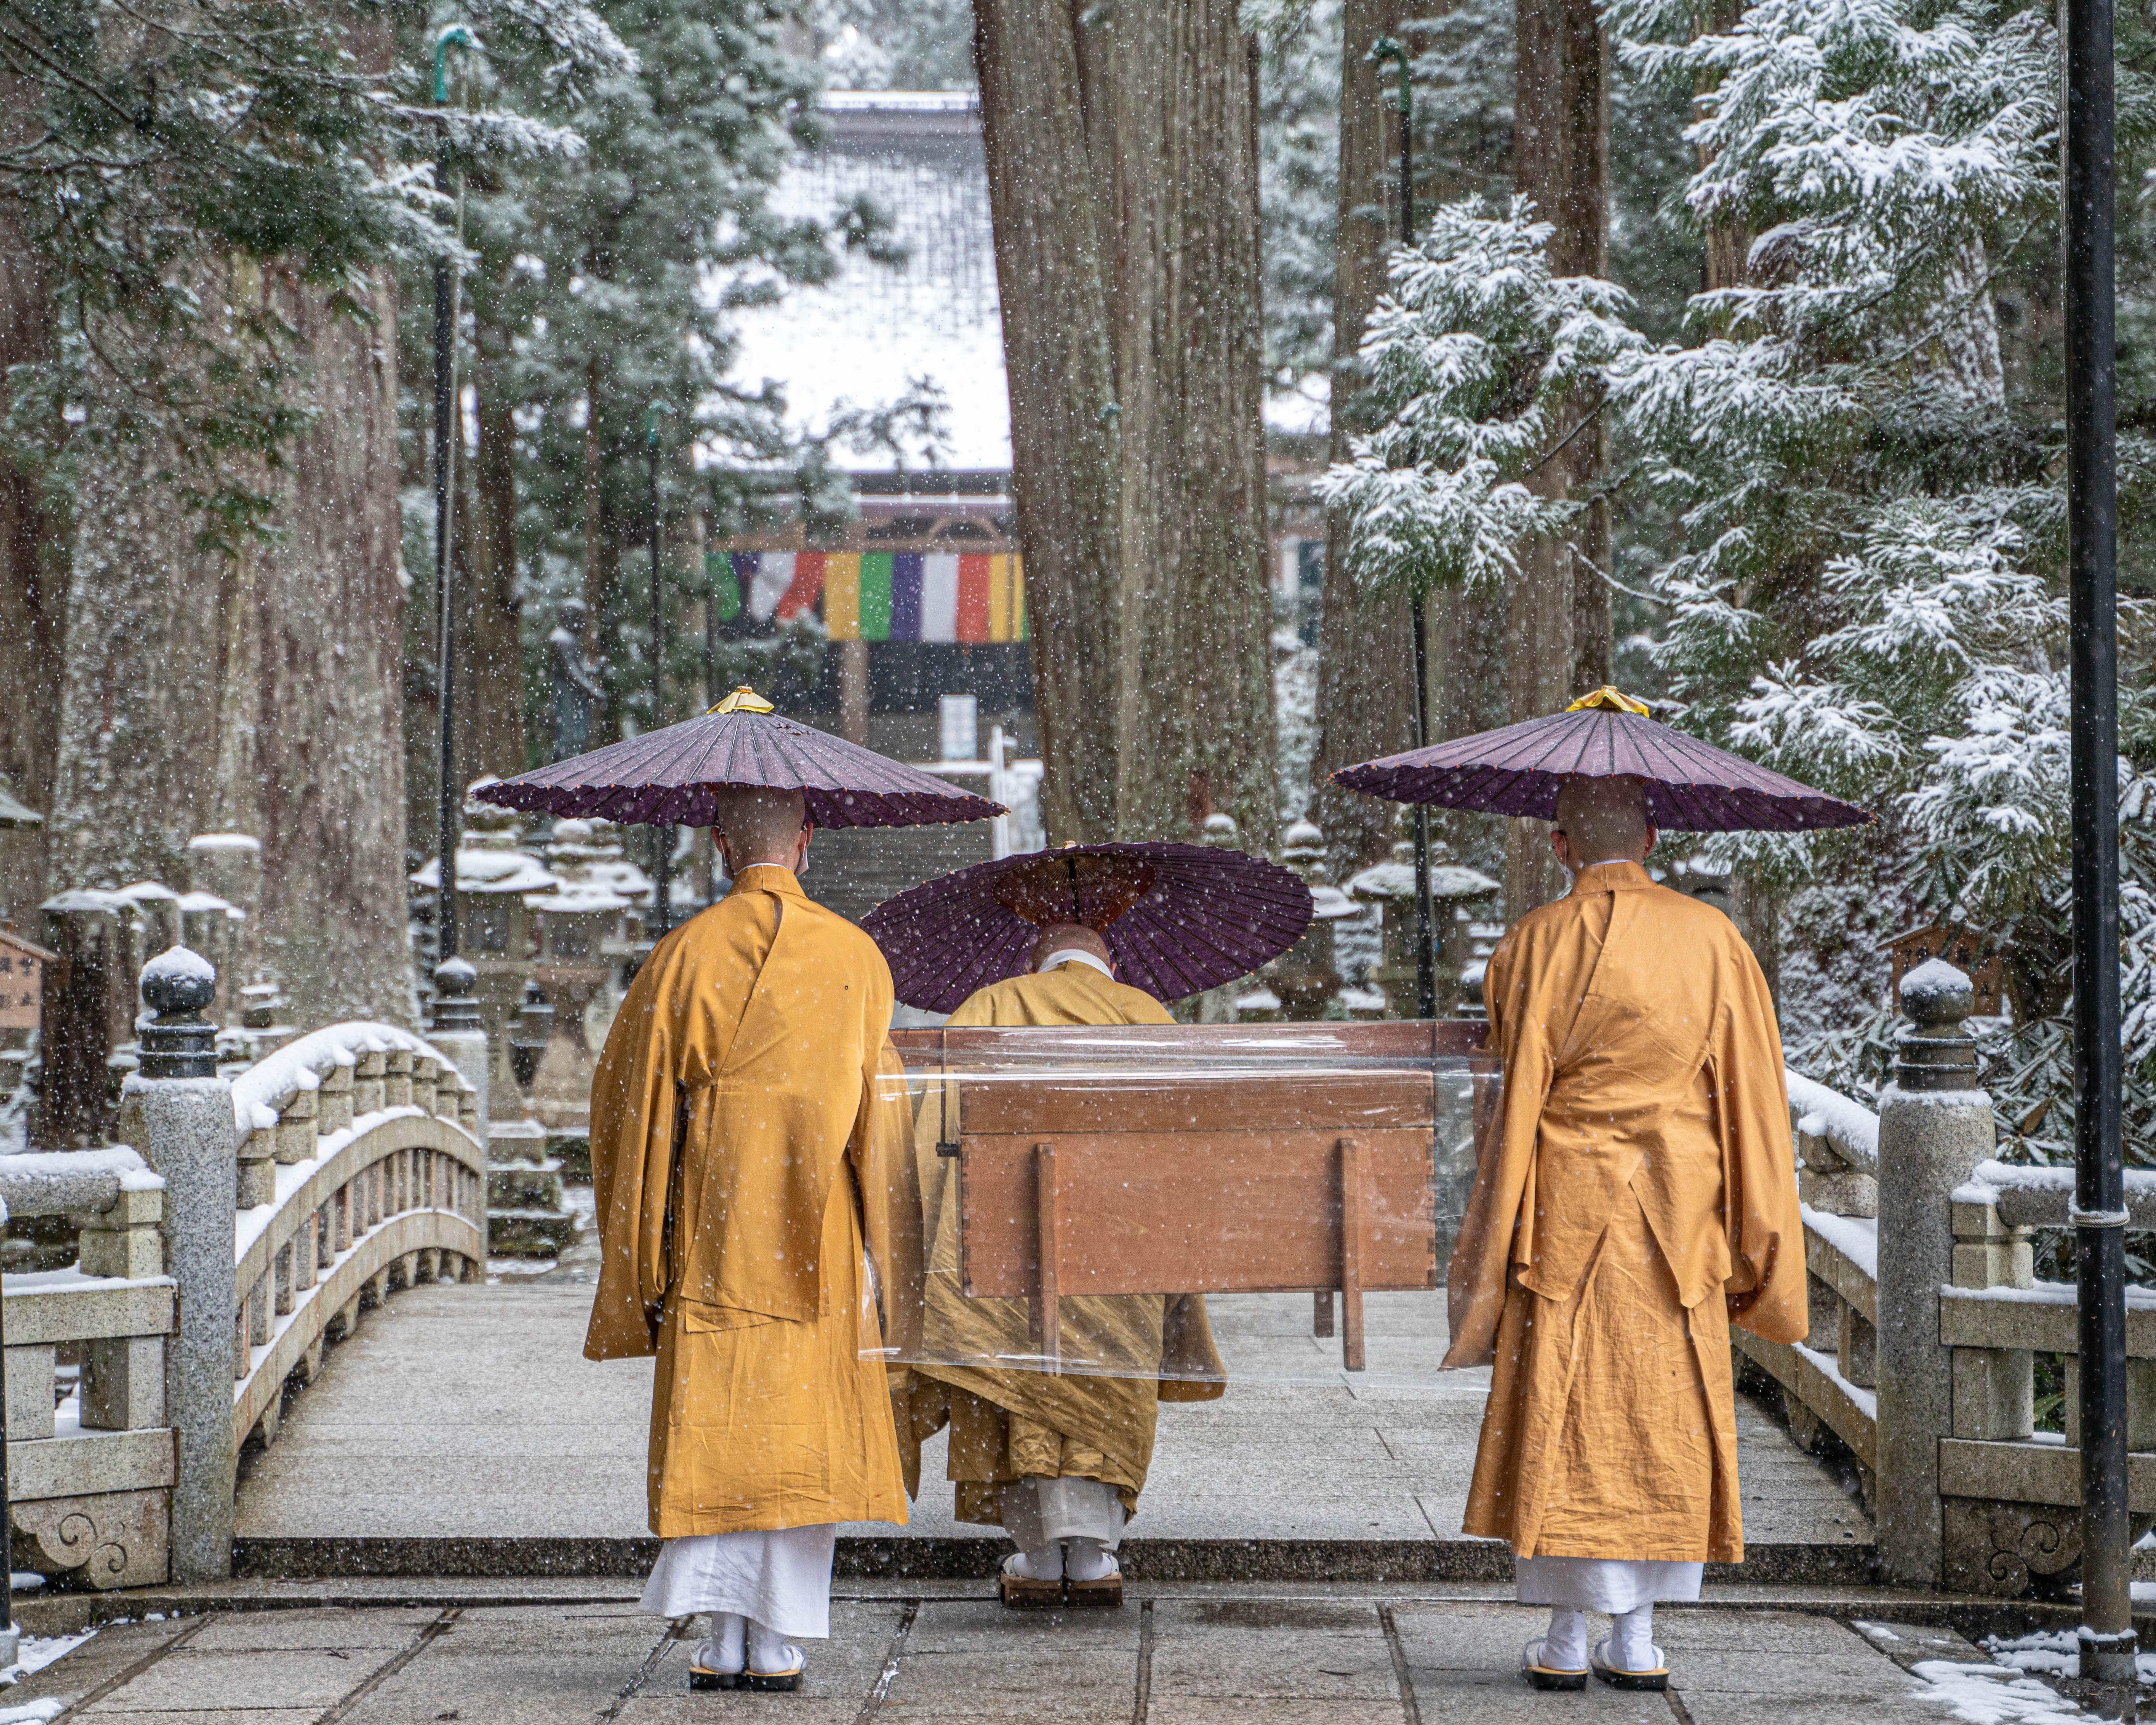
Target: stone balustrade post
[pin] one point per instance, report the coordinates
(368, 1083)
(178, 1113)
(1935, 1126)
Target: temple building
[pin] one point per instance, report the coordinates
(922, 595)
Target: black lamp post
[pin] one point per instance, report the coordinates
(2107, 1645)
(662, 845)
(445, 611)
(1383, 49)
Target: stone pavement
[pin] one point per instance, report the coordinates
(458, 1415)
(1188, 1656)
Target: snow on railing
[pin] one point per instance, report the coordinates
(1850, 1128)
(261, 1092)
(51, 1182)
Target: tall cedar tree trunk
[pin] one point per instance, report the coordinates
(490, 657)
(332, 739)
(1365, 650)
(260, 692)
(32, 589)
(1123, 174)
(1559, 633)
(139, 699)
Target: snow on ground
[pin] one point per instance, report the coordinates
(1994, 1695)
(39, 1652)
(2056, 1652)
(35, 1654)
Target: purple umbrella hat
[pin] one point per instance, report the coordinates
(671, 777)
(1179, 919)
(1691, 785)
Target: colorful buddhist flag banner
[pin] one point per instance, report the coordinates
(921, 596)
(779, 585)
(725, 585)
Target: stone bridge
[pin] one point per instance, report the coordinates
(273, 1406)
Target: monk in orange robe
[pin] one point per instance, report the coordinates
(1636, 1196)
(1058, 1462)
(751, 1143)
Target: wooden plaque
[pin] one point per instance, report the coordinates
(1200, 1213)
(22, 981)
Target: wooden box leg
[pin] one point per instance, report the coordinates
(1351, 1254)
(1046, 1318)
(1321, 1316)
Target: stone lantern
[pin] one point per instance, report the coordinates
(587, 929)
(1306, 976)
(1453, 887)
(496, 878)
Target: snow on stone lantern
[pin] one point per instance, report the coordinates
(216, 928)
(586, 937)
(156, 922)
(496, 879)
(1453, 887)
(1306, 976)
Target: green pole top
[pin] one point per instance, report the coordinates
(455, 36)
(1391, 47)
(651, 421)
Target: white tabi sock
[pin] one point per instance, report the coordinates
(1564, 1648)
(769, 1652)
(721, 1651)
(1632, 1639)
(1045, 1564)
(1088, 1561)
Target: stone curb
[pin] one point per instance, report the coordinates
(69, 1613)
(1336, 1561)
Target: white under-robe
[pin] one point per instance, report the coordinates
(778, 1577)
(1041, 1513)
(1613, 1585)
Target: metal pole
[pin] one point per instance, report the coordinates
(445, 612)
(2108, 1646)
(662, 846)
(1383, 49)
(11, 1639)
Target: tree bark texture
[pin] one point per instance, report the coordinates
(333, 900)
(1559, 614)
(258, 692)
(1365, 646)
(141, 700)
(1122, 173)
(490, 691)
(33, 586)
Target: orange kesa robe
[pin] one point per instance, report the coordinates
(1635, 1195)
(1008, 1423)
(745, 1153)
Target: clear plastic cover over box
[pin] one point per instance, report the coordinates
(1158, 1188)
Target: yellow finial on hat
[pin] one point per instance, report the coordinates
(1610, 699)
(746, 700)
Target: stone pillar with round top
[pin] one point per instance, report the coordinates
(1935, 1126)
(177, 1113)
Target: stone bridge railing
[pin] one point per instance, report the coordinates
(89, 1450)
(252, 1221)
(360, 1169)
(1926, 1373)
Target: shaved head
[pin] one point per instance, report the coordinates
(760, 825)
(1603, 819)
(1063, 937)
